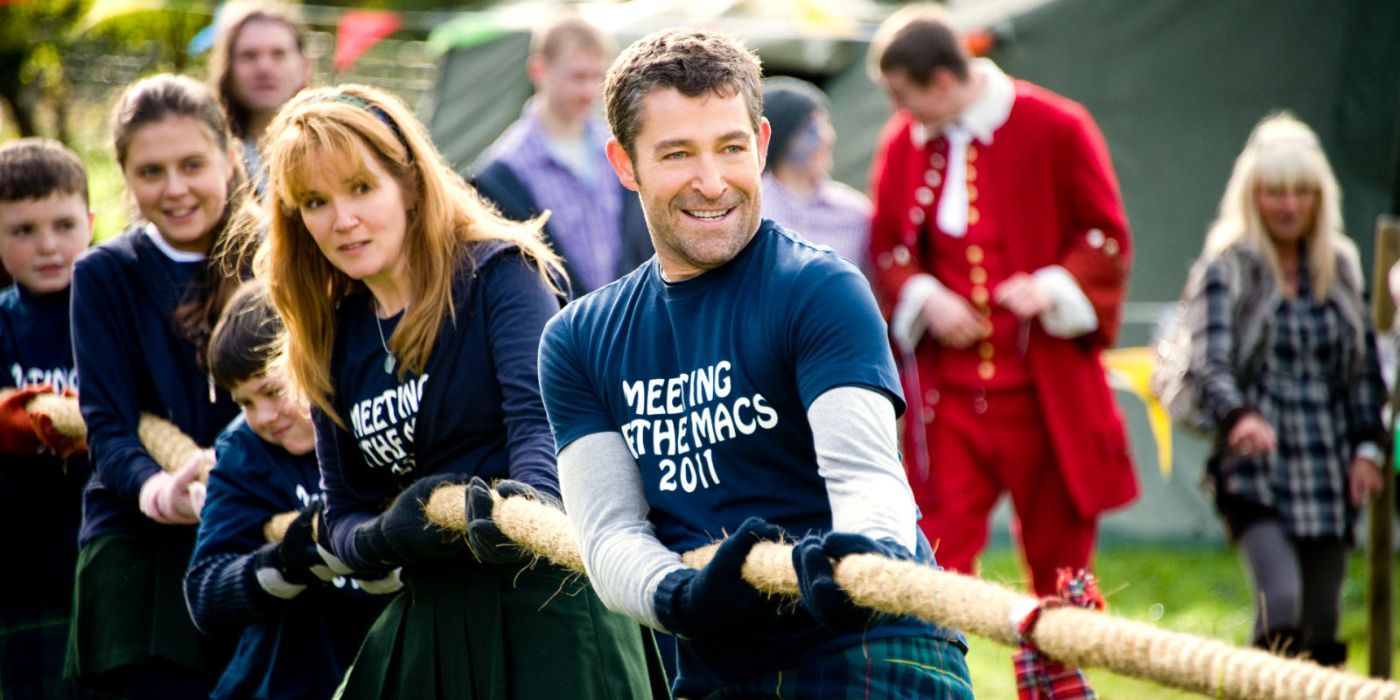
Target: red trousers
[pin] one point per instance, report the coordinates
(981, 445)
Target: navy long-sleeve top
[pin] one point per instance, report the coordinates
(131, 360)
(475, 410)
(296, 648)
(40, 494)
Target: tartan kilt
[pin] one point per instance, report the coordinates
(480, 632)
(129, 608)
(896, 668)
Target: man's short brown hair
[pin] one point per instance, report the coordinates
(35, 168)
(918, 40)
(693, 62)
(550, 38)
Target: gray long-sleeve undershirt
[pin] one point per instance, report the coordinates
(853, 432)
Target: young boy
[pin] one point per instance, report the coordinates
(44, 225)
(300, 624)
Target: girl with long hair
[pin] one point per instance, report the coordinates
(143, 305)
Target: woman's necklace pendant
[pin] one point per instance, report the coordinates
(388, 364)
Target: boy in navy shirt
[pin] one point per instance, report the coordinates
(300, 623)
(44, 225)
(738, 383)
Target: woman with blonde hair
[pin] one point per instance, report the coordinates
(404, 298)
(1285, 363)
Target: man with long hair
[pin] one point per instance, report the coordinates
(258, 63)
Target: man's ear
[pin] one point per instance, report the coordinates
(535, 67)
(765, 135)
(622, 165)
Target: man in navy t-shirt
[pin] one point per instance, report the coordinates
(739, 384)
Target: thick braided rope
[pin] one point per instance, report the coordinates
(170, 447)
(1076, 636)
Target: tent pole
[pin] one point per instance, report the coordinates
(1380, 542)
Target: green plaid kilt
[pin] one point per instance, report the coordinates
(912, 668)
(496, 633)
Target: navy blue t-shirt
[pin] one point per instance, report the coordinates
(35, 349)
(709, 381)
(475, 409)
(287, 648)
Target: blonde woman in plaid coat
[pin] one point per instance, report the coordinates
(1286, 366)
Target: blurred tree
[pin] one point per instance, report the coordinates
(37, 35)
(32, 36)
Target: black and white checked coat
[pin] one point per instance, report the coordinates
(1308, 367)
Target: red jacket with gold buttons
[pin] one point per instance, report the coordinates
(1041, 193)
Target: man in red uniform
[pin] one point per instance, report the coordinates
(1001, 251)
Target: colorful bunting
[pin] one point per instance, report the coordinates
(357, 31)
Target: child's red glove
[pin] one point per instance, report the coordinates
(17, 435)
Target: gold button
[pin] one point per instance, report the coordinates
(971, 154)
(984, 310)
(986, 370)
(974, 254)
(1110, 247)
(971, 173)
(978, 275)
(979, 295)
(937, 161)
(973, 216)
(985, 350)
(924, 196)
(932, 178)
(971, 193)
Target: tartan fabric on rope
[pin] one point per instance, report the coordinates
(1038, 677)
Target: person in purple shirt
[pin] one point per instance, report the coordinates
(552, 160)
(798, 191)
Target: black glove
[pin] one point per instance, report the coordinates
(485, 538)
(402, 534)
(825, 600)
(716, 603)
(295, 557)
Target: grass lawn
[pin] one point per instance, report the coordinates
(1194, 589)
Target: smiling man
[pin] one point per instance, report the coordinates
(737, 384)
